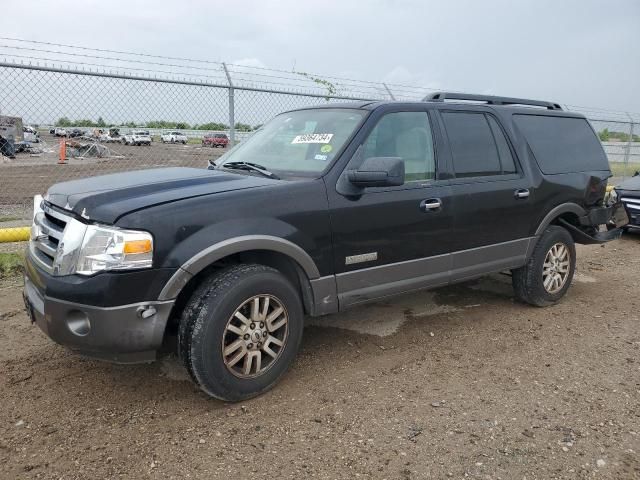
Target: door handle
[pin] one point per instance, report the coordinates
(430, 204)
(521, 193)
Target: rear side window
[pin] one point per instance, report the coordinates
(478, 145)
(562, 144)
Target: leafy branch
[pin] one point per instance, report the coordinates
(331, 88)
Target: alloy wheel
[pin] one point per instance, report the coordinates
(555, 270)
(255, 336)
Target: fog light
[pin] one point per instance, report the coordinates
(78, 323)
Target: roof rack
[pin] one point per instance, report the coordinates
(489, 99)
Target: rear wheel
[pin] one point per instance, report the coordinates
(547, 275)
(240, 331)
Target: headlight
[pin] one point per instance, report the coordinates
(107, 248)
(88, 249)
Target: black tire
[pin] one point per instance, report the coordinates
(204, 321)
(528, 280)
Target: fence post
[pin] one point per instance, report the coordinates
(232, 121)
(389, 92)
(627, 152)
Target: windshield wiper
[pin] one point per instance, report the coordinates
(250, 166)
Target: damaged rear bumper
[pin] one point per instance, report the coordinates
(613, 217)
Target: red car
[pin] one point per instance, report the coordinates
(215, 140)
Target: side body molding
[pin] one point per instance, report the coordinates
(559, 210)
(215, 252)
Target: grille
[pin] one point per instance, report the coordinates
(49, 226)
(632, 205)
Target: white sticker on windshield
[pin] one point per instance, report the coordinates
(313, 138)
(321, 157)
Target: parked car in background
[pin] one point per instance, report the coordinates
(31, 135)
(174, 137)
(76, 132)
(215, 140)
(628, 192)
(137, 137)
(60, 132)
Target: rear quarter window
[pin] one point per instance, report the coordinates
(562, 144)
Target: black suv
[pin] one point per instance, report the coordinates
(320, 210)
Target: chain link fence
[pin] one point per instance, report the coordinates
(68, 121)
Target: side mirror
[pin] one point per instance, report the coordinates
(378, 172)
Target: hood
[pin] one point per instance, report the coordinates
(108, 197)
(632, 183)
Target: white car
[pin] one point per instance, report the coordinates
(174, 137)
(31, 135)
(60, 132)
(137, 137)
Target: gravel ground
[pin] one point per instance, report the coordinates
(28, 175)
(460, 382)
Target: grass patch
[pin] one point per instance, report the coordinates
(620, 169)
(10, 219)
(11, 264)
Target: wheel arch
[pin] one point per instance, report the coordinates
(283, 255)
(569, 211)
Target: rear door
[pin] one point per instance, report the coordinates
(492, 195)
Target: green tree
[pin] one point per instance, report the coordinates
(243, 127)
(213, 126)
(604, 135)
(63, 122)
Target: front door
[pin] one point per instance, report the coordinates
(393, 239)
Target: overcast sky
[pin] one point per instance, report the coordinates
(579, 52)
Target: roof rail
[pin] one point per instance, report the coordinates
(489, 99)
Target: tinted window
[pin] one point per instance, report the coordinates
(473, 148)
(562, 144)
(406, 135)
(506, 158)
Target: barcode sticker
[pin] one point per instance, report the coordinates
(313, 138)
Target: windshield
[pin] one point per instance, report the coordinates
(303, 141)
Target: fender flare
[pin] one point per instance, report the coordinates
(222, 249)
(557, 211)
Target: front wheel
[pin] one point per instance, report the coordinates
(240, 331)
(546, 277)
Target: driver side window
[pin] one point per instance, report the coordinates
(406, 135)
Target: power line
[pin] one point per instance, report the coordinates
(402, 90)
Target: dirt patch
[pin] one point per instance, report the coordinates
(29, 175)
(461, 382)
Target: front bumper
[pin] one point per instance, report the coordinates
(130, 333)
(631, 202)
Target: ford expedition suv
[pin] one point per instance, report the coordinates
(322, 209)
